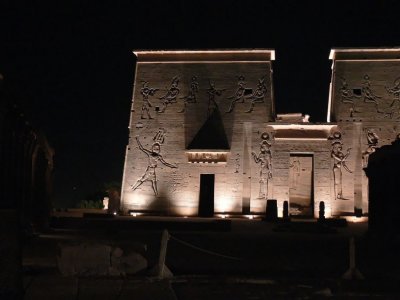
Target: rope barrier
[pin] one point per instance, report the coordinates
(204, 250)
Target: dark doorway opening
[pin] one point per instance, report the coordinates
(206, 203)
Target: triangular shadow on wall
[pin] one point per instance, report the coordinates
(211, 135)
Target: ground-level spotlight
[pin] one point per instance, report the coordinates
(134, 214)
(354, 219)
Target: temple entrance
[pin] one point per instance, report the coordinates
(301, 185)
(206, 203)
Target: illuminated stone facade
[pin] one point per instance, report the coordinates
(365, 105)
(204, 135)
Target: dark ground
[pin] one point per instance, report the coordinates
(298, 260)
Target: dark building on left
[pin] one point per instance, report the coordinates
(26, 165)
(26, 160)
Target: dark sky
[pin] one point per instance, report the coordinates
(70, 63)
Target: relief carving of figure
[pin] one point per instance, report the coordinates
(170, 96)
(339, 163)
(146, 92)
(191, 97)
(395, 91)
(264, 159)
(368, 95)
(348, 96)
(295, 165)
(212, 93)
(154, 157)
(258, 95)
(239, 94)
(372, 140)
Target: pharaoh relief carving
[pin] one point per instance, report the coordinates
(258, 95)
(372, 141)
(386, 107)
(394, 91)
(366, 94)
(339, 163)
(171, 94)
(191, 97)
(212, 92)
(154, 156)
(239, 94)
(348, 96)
(146, 92)
(242, 94)
(295, 175)
(264, 160)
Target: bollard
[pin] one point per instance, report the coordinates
(285, 210)
(161, 270)
(321, 216)
(352, 272)
(358, 212)
(271, 210)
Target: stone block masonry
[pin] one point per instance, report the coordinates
(204, 133)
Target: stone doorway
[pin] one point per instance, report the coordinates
(301, 185)
(206, 201)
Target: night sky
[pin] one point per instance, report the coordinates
(70, 63)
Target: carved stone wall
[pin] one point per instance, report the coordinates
(366, 90)
(212, 112)
(178, 97)
(319, 150)
(365, 104)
